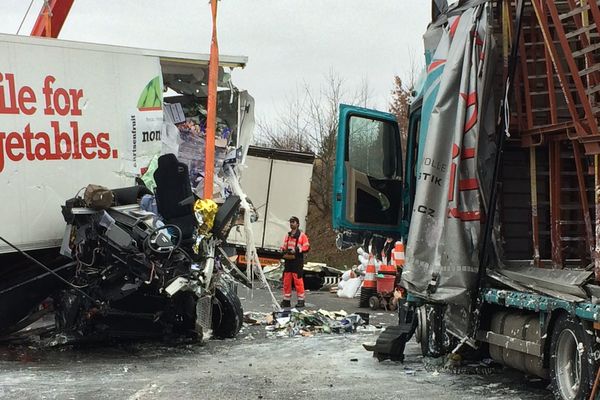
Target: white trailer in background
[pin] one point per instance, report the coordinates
(278, 184)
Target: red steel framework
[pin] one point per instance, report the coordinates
(557, 116)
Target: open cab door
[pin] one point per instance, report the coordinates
(368, 173)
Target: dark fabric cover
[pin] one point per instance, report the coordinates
(173, 187)
(225, 214)
(129, 195)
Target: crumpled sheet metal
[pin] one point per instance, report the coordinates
(550, 281)
(442, 249)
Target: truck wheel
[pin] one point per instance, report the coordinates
(435, 341)
(572, 366)
(421, 331)
(374, 303)
(227, 313)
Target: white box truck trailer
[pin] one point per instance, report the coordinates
(78, 113)
(72, 114)
(278, 184)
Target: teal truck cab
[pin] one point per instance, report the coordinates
(497, 194)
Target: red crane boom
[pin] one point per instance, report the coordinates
(51, 18)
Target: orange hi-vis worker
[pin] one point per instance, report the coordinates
(295, 245)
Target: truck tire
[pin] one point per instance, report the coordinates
(434, 340)
(227, 313)
(374, 303)
(429, 322)
(572, 362)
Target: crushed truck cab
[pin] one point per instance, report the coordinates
(498, 193)
(75, 114)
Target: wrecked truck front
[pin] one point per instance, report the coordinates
(109, 132)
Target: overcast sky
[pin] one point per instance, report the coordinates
(288, 42)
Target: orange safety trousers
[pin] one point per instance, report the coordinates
(288, 277)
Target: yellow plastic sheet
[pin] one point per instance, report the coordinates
(205, 210)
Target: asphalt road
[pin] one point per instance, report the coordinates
(252, 366)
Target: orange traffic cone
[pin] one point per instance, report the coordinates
(370, 281)
(398, 254)
(369, 285)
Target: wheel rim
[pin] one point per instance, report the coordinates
(421, 332)
(568, 364)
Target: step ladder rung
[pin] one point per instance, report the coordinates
(593, 90)
(537, 77)
(586, 50)
(571, 207)
(529, 44)
(587, 71)
(566, 222)
(562, 108)
(557, 90)
(572, 239)
(574, 190)
(581, 30)
(528, 27)
(535, 60)
(573, 12)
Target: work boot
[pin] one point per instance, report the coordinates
(300, 304)
(285, 304)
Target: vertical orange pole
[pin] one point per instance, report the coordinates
(48, 15)
(211, 118)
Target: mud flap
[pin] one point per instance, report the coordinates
(392, 341)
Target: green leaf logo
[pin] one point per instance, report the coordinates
(151, 97)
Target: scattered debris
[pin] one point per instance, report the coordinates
(307, 323)
(257, 318)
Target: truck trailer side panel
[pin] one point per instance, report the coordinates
(76, 113)
(68, 114)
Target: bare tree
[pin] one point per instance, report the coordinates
(310, 123)
(289, 129)
(400, 107)
(401, 97)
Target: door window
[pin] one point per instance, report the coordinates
(372, 147)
